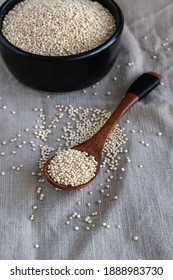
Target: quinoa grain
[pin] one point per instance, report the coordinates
(58, 27)
(72, 167)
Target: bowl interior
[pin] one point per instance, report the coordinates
(109, 4)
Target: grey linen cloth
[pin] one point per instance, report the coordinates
(144, 207)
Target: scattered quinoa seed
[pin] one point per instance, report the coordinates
(76, 228)
(135, 238)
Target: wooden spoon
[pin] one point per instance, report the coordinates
(94, 146)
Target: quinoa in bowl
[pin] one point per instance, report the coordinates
(58, 27)
(77, 66)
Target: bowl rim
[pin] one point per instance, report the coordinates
(72, 57)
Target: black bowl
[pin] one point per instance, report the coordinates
(62, 73)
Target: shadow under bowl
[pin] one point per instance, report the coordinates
(62, 73)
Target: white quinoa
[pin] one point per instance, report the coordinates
(82, 124)
(58, 27)
(72, 167)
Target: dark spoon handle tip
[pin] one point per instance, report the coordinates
(145, 84)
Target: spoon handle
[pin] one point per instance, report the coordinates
(139, 89)
(145, 84)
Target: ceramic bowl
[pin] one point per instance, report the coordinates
(62, 73)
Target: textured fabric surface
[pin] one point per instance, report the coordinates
(145, 195)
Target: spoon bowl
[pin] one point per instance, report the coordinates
(94, 146)
(69, 187)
